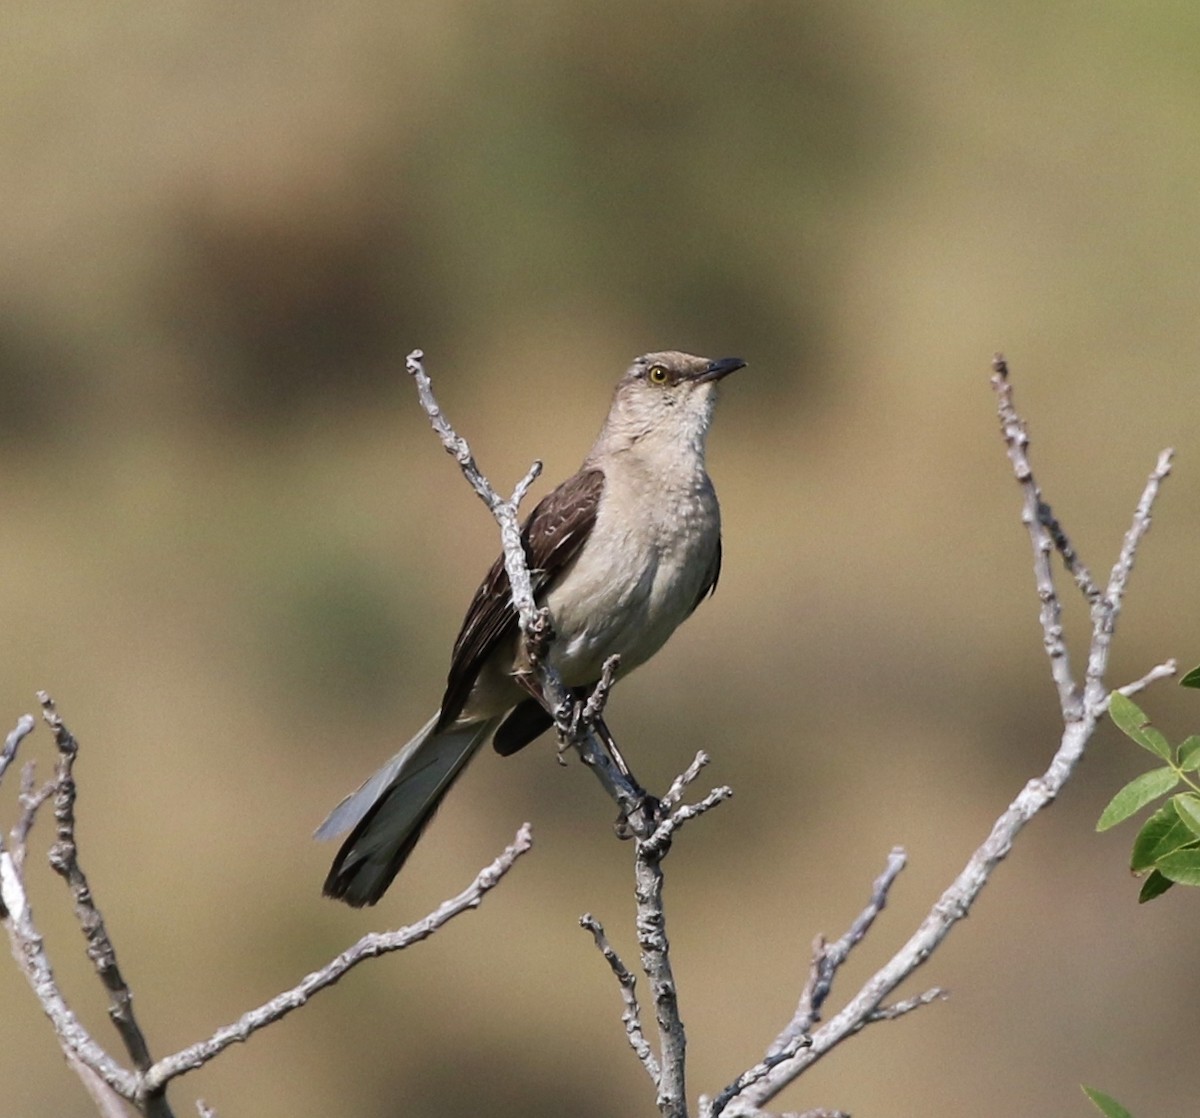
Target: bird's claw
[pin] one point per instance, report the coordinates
(641, 819)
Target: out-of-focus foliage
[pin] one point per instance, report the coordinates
(237, 558)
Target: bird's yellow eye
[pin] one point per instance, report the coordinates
(658, 374)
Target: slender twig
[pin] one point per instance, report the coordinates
(1016, 440)
(1164, 670)
(31, 800)
(13, 741)
(30, 953)
(1070, 558)
(64, 859)
(10, 862)
(632, 1014)
(1080, 713)
(371, 945)
(680, 784)
(819, 1112)
(593, 708)
(827, 958)
(899, 1009)
(1105, 612)
(660, 841)
(711, 1108)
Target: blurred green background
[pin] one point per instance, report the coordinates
(236, 555)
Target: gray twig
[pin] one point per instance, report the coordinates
(899, 1009)
(651, 923)
(827, 958)
(632, 1014)
(659, 842)
(1070, 558)
(10, 862)
(370, 946)
(1162, 671)
(593, 708)
(13, 741)
(1016, 440)
(711, 1108)
(680, 784)
(655, 948)
(1105, 611)
(64, 859)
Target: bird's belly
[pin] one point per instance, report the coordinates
(629, 608)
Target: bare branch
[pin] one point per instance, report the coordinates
(828, 958)
(1079, 722)
(102, 1076)
(1105, 612)
(1016, 438)
(899, 1009)
(1070, 558)
(598, 699)
(11, 863)
(370, 946)
(1163, 671)
(660, 841)
(504, 511)
(632, 1014)
(651, 926)
(64, 858)
(819, 1112)
(12, 742)
(655, 949)
(680, 784)
(710, 1109)
(30, 953)
(31, 800)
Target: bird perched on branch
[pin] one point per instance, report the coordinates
(620, 553)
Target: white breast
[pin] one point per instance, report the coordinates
(638, 575)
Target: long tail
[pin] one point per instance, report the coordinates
(389, 812)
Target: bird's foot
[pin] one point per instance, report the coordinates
(641, 819)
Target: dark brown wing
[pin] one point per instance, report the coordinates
(553, 535)
(710, 583)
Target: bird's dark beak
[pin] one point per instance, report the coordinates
(722, 367)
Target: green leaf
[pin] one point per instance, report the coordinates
(1154, 886)
(1192, 679)
(1187, 806)
(1136, 795)
(1188, 753)
(1134, 724)
(1181, 866)
(1163, 832)
(1106, 1104)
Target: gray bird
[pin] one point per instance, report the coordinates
(621, 553)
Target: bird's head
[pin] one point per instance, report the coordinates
(668, 396)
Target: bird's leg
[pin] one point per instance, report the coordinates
(643, 816)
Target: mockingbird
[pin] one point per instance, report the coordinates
(620, 553)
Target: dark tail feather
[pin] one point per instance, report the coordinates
(389, 812)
